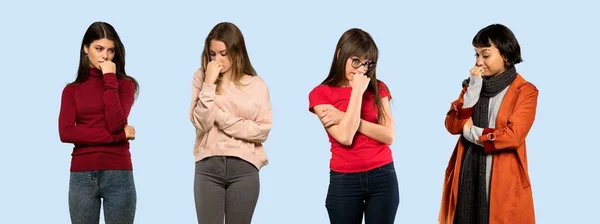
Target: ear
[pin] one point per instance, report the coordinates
(337, 54)
(86, 49)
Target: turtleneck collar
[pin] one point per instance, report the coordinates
(95, 72)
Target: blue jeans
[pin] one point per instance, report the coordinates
(115, 187)
(373, 193)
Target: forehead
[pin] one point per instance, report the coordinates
(216, 45)
(106, 43)
(491, 48)
(362, 59)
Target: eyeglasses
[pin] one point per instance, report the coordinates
(357, 64)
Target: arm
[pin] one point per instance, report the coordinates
(117, 101)
(383, 131)
(250, 130)
(202, 113)
(346, 129)
(69, 132)
(519, 123)
(472, 134)
(462, 108)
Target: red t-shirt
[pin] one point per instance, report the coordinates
(365, 153)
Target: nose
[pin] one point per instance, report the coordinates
(479, 61)
(363, 68)
(105, 55)
(218, 57)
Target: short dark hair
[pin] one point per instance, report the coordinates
(503, 38)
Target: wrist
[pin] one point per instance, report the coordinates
(357, 90)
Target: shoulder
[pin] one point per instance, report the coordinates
(198, 73)
(255, 84)
(321, 94)
(382, 85)
(524, 85)
(69, 88)
(127, 83)
(384, 91)
(198, 78)
(254, 80)
(321, 89)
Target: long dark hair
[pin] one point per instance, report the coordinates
(232, 37)
(96, 31)
(356, 42)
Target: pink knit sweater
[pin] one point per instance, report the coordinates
(234, 122)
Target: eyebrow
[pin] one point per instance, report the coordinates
(97, 45)
(355, 57)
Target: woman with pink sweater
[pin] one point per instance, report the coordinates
(231, 111)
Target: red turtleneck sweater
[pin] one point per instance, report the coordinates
(92, 116)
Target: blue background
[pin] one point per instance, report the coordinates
(425, 53)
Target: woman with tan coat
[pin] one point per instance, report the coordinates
(486, 180)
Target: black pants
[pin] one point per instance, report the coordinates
(225, 189)
(373, 193)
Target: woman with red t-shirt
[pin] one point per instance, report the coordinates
(354, 108)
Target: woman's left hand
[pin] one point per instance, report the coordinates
(331, 116)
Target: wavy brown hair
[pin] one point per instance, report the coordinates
(232, 37)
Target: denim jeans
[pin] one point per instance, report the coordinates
(225, 189)
(116, 188)
(373, 193)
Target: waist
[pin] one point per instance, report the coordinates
(121, 148)
(359, 159)
(100, 160)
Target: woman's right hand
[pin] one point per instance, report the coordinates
(129, 132)
(213, 69)
(477, 71)
(360, 81)
(468, 125)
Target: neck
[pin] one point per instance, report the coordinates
(344, 83)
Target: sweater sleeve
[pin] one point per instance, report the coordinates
(472, 95)
(250, 130)
(462, 108)
(202, 112)
(69, 132)
(118, 99)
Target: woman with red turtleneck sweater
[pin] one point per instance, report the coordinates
(93, 117)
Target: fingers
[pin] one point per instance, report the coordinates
(325, 112)
(327, 122)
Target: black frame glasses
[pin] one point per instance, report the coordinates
(357, 64)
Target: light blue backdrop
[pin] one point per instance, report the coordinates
(425, 52)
